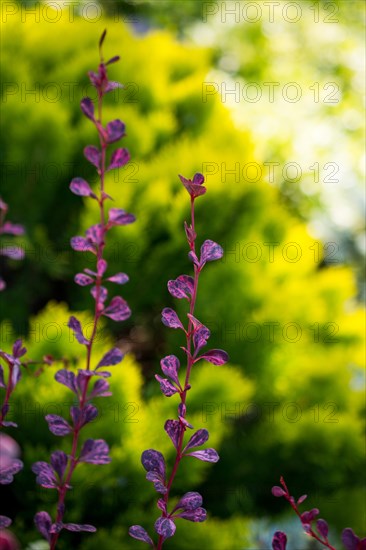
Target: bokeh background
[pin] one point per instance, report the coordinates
(266, 100)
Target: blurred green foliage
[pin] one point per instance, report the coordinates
(291, 401)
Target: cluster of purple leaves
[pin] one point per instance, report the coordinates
(319, 531)
(8, 228)
(58, 472)
(14, 364)
(10, 464)
(9, 449)
(184, 287)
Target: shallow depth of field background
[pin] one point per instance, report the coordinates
(268, 105)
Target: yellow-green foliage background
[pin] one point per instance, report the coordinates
(313, 385)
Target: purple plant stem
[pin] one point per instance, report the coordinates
(310, 532)
(190, 361)
(97, 314)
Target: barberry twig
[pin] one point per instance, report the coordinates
(279, 541)
(58, 474)
(197, 335)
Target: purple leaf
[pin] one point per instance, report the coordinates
(100, 389)
(117, 216)
(215, 356)
(158, 481)
(193, 257)
(101, 267)
(185, 422)
(43, 524)
(80, 417)
(115, 130)
(87, 106)
(59, 461)
(12, 251)
(8, 424)
(92, 154)
(194, 188)
(198, 438)
(119, 278)
(18, 349)
(197, 515)
(15, 375)
(118, 309)
(119, 158)
(81, 244)
(67, 378)
(189, 501)
(195, 322)
(181, 287)
(82, 379)
(58, 425)
(279, 541)
(83, 280)
(4, 522)
(301, 499)
(170, 366)
(161, 505)
(5, 409)
(113, 59)
(75, 326)
(12, 229)
(45, 475)
(278, 491)
(350, 540)
(190, 233)
(112, 357)
(95, 234)
(170, 318)
(174, 429)
(210, 251)
(198, 178)
(308, 517)
(112, 85)
(153, 461)
(80, 187)
(322, 527)
(94, 78)
(207, 455)
(200, 338)
(100, 294)
(166, 386)
(165, 527)
(8, 358)
(9, 467)
(76, 527)
(139, 533)
(95, 451)
(102, 373)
